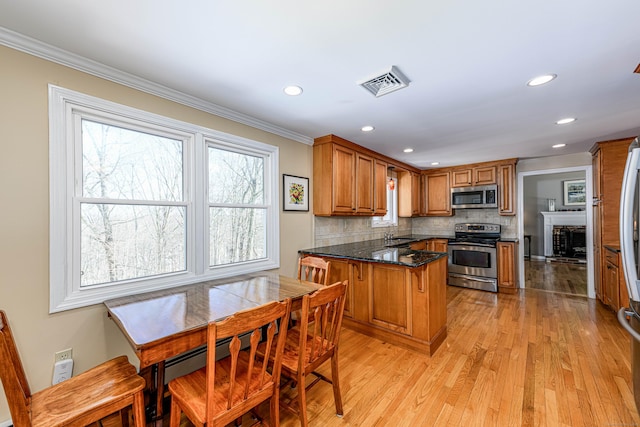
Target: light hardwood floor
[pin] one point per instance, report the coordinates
(531, 359)
(561, 277)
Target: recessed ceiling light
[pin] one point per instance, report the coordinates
(293, 90)
(435, 163)
(408, 150)
(558, 145)
(367, 128)
(540, 80)
(565, 121)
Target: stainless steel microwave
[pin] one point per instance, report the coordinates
(485, 196)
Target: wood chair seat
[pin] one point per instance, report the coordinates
(79, 401)
(88, 397)
(194, 384)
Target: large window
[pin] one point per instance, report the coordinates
(142, 202)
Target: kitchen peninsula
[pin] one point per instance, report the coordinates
(396, 292)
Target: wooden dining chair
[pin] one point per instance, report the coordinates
(224, 390)
(314, 269)
(81, 400)
(313, 343)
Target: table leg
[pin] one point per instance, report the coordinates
(159, 386)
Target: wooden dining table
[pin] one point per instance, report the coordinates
(165, 324)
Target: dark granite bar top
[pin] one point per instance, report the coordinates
(395, 252)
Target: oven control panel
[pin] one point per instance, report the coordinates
(478, 228)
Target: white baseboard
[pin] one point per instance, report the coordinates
(7, 423)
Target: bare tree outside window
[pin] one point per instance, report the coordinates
(237, 208)
(132, 217)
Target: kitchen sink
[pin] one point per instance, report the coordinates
(395, 241)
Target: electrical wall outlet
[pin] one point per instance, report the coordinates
(64, 355)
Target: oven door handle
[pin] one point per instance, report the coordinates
(475, 278)
(482, 245)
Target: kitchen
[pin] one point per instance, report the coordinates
(472, 352)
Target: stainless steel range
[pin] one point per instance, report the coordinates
(472, 256)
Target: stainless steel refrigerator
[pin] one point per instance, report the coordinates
(629, 317)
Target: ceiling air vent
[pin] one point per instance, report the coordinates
(386, 83)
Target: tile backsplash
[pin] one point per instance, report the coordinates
(338, 230)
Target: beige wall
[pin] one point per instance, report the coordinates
(24, 217)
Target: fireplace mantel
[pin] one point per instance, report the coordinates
(560, 218)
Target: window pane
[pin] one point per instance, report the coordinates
(120, 163)
(127, 242)
(235, 178)
(236, 235)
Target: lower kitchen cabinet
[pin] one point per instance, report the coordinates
(614, 288)
(507, 277)
(400, 305)
(390, 298)
(438, 245)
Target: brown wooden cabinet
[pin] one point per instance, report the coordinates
(390, 298)
(347, 181)
(437, 245)
(507, 277)
(614, 288)
(419, 246)
(608, 162)
(401, 305)
(437, 193)
(364, 183)
(380, 188)
(507, 189)
(481, 175)
(408, 194)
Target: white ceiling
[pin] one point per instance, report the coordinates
(468, 62)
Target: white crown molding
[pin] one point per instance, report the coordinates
(37, 48)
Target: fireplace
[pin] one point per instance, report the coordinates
(563, 219)
(569, 241)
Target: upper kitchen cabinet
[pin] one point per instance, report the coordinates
(408, 194)
(481, 175)
(437, 193)
(348, 179)
(507, 188)
(380, 188)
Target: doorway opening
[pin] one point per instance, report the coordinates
(556, 250)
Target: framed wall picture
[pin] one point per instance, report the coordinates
(295, 193)
(575, 192)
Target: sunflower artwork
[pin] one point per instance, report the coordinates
(296, 194)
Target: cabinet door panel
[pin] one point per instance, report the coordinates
(506, 266)
(461, 178)
(364, 184)
(484, 175)
(438, 194)
(507, 192)
(380, 188)
(390, 298)
(344, 197)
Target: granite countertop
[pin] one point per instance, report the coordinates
(395, 252)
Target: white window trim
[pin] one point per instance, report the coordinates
(65, 293)
(378, 221)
